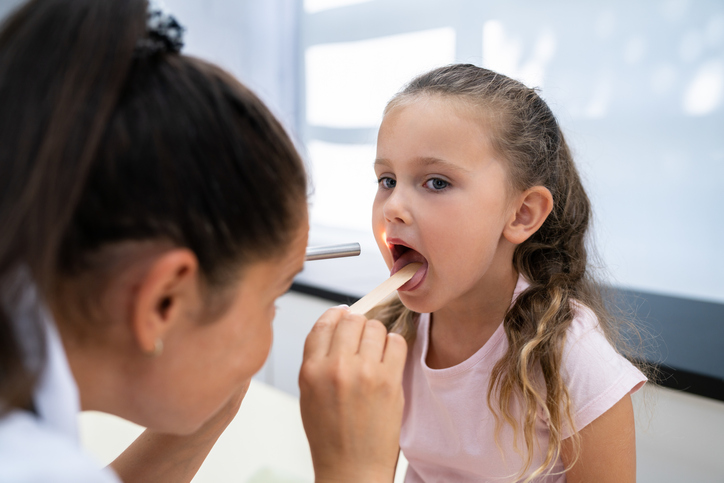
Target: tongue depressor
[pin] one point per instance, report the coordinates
(383, 290)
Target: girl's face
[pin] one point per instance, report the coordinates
(443, 200)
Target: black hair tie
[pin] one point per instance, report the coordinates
(163, 33)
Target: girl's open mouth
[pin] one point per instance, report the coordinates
(404, 255)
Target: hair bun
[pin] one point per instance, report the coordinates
(163, 32)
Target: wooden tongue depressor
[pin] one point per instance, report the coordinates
(369, 301)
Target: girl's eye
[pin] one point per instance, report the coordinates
(387, 183)
(437, 184)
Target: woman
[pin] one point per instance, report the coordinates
(152, 211)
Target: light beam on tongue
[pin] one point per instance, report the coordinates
(382, 291)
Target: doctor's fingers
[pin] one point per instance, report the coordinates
(395, 356)
(347, 336)
(374, 338)
(319, 339)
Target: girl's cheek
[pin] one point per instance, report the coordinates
(384, 250)
(380, 237)
(378, 224)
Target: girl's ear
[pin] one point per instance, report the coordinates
(166, 294)
(532, 208)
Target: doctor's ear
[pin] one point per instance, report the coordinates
(167, 292)
(532, 209)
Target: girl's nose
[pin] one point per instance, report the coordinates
(396, 208)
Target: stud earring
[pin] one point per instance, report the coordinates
(157, 348)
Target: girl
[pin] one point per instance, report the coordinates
(513, 375)
(152, 210)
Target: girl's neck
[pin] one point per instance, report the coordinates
(461, 328)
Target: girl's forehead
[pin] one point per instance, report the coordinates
(443, 115)
(454, 104)
(433, 132)
(429, 123)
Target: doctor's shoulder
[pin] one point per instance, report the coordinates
(33, 453)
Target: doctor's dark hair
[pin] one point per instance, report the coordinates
(555, 260)
(99, 146)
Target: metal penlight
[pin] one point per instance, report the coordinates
(333, 251)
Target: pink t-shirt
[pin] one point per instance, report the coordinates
(448, 431)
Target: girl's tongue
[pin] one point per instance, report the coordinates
(407, 257)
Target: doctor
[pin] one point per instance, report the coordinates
(152, 210)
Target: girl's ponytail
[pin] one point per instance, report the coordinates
(554, 260)
(63, 65)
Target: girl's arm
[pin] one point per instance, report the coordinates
(154, 456)
(608, 448)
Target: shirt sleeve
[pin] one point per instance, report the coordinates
(596, 375)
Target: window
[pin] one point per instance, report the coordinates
(638, 89)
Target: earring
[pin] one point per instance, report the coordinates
(157, 348)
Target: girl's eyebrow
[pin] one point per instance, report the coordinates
(431, 161)
(427, 162)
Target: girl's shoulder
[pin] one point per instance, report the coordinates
(584, 320)
(595, 373)
(585, 337)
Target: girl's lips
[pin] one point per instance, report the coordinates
(403, 256)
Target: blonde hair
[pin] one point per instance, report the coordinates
(554, 260)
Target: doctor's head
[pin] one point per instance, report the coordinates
(157, 205)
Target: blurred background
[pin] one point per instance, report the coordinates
(638, 88)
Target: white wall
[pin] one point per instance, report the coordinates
(256, 40)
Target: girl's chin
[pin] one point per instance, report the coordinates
(417, 303)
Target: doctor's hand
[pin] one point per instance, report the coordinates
(351, 397)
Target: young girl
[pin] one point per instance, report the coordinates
(513, 375)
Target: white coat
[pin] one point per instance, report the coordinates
(43, 446)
